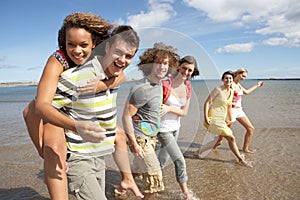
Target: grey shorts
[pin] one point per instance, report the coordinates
(86, 177)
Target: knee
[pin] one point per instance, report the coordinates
(180, 164)
(231, 138)
(25, 112)
(55, 151)
(250, 130)
(120, 137)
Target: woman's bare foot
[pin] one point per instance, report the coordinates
(249, 151)
(245, 163)
(197, 154)
(217, 145)
(190, 195)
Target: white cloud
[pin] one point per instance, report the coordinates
(160, 11)
(276, 41)
(236, 10)
(237, 48)
(268, 17)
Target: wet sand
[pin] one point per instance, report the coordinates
(274, 111)
(217, 176)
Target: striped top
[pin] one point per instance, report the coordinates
(100, 107)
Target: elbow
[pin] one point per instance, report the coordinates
(30, 110)
(183, 114)
(39, 107)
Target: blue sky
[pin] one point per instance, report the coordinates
(262, 36)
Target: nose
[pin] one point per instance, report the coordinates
(122, 58)
(77, 49)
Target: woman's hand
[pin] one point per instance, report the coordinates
(165, 109)
(260, 83)
(207, 121)
(229, 124)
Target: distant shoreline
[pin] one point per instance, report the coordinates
(13, 84)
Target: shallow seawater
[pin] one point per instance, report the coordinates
(273, 109)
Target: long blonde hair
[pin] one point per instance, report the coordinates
(240, 71)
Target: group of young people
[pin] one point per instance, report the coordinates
(73, 119)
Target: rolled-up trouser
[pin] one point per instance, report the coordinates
(169, 147)
(149, 166)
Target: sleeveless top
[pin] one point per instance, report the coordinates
(171, 121)
(237, 98)
(217, 113)
(60, 56)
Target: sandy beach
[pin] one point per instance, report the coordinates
(276, 173)
(218, 176)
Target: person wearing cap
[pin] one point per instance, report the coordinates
(177, 94)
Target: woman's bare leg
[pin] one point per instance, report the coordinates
(245, 122)
(185, 191)
(34, 126)
(235, 150)
(55, 162)
(207, 146)
(218, 143)
(52, 148)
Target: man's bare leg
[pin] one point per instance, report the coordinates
(122, 160)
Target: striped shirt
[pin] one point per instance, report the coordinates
(99, 107)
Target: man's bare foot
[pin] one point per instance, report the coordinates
(130, 185)
(120, 193)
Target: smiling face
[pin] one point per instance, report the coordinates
(117, 57)
(159, 70)
(186, 70)
(79, 45)
(227, 80)
(240, 77)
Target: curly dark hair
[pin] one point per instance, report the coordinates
(157, 54)
(97, 26)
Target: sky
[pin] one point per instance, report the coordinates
(262, 36)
